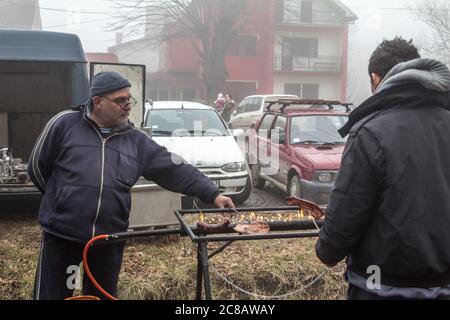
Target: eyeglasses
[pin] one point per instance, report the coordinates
(122, 102)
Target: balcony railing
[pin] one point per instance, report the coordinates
(318, 18)
(328, 64)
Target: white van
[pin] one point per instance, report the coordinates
(251, 109)
(199, 135)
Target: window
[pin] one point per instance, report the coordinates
(244, 46)
(310, 91)
(306, 11)
(240, 108)
(317, 129)
(296, 11)
(280, 126)
(249, 105)
(293, 88)
(291, 10)
(185, 122)
(304, 91)
(280, 123)
(264, 126)
(254, 104)
(300, 47)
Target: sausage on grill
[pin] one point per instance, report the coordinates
(212, 228)
(313, 209)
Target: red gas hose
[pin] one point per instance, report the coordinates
(86, 265)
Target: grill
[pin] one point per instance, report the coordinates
(283, 229)
(284, 222)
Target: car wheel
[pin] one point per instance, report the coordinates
(258, 182)
(242, 197)
(294, 189)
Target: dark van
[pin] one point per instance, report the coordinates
(41, 74)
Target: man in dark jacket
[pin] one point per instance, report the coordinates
(389, 213)
(228, 108)
(85, 163)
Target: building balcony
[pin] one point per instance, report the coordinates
(319, 64)
(316, 19)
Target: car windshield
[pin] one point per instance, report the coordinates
(320, 129)
(185, 122)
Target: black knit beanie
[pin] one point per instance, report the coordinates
(106, 82)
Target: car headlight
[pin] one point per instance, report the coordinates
(324, 177)
(234, 167)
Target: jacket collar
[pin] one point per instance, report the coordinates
(414, 83)
(429, 73)
(406, 96)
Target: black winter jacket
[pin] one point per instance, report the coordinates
(86, 178)
(391, 202)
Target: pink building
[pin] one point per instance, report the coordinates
(286, 47)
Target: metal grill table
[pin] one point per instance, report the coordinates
(278, 230)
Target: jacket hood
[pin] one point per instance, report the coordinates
(429, 73)
(412, 84)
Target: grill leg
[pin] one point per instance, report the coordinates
(205, 269)
(198, 295)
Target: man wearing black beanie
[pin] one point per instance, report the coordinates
(85, 163)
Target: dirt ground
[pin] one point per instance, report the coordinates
(163, 268)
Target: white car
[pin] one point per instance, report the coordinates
(251, 108)
(199, 135)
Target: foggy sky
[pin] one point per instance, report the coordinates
(375, 23)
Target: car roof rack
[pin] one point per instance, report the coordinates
(312, 104)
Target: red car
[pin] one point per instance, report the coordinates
(297, 147)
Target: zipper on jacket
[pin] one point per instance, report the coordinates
(104, 140)
(101, 181)
(101, 187)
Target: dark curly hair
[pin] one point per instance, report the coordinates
(390, 53)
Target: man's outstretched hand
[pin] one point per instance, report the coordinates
(223, 202)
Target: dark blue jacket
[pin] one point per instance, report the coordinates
(86, 178)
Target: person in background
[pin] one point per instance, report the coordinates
(389, 212)
(220, 102)
(228, 108)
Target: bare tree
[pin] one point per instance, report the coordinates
(436, 14)
(211, 25)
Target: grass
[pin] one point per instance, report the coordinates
(162, 268)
